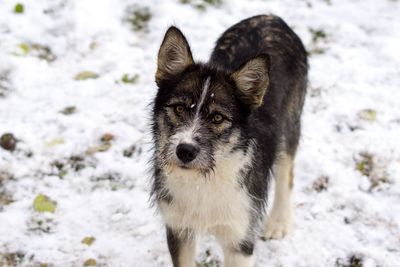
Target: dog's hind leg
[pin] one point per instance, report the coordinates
(182, 247)
(279, 222)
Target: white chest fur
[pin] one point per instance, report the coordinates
(209, 204)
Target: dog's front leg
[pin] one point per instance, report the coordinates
(182, 247)
(239, 257)
(236, 254)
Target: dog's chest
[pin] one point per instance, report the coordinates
(206, 203)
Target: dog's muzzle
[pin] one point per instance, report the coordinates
(186, 152)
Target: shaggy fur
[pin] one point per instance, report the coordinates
(220, 129)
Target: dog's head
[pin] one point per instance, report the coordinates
(201, 112)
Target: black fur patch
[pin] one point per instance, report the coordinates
(174, 244)
(176, 239)
(246, 248)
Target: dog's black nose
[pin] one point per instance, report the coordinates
(186, 153)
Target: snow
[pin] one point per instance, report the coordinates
(353, 67)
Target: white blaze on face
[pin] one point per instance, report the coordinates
(206, 87)
(187, 135)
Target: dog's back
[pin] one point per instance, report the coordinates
(263, 34)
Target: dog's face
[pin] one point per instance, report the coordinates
(200, 112)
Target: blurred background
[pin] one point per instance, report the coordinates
(76, 86)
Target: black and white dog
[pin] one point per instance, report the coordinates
(220, 130)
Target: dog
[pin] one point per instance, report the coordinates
(221, 130)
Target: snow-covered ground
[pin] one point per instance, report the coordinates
(347, 192)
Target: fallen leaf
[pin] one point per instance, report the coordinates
(43, 203)
(43, 52)
(84, 75)
(90, 262)
(8, 141)
(130, 79)
(19, 8)
(129, 151)
(100, 148)
(25, 48)
(88, 240)
(321, 184)
(55, 142)
(107, 137)
(367, 114)
(68, 110)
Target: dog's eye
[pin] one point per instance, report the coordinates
(179, 109)
(217, 118)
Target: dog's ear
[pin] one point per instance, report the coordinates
(174, 55)
(252, 80)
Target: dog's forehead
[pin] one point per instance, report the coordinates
(190, 84)
(211, 87)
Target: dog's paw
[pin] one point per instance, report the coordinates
(278, 224)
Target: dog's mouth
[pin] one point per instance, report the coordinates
(183, 166)
(205, 171)
(186, 166)
(189, 168)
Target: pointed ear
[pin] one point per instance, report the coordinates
(174, 55)
(252, 80)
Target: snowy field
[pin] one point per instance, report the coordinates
(76, 83)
